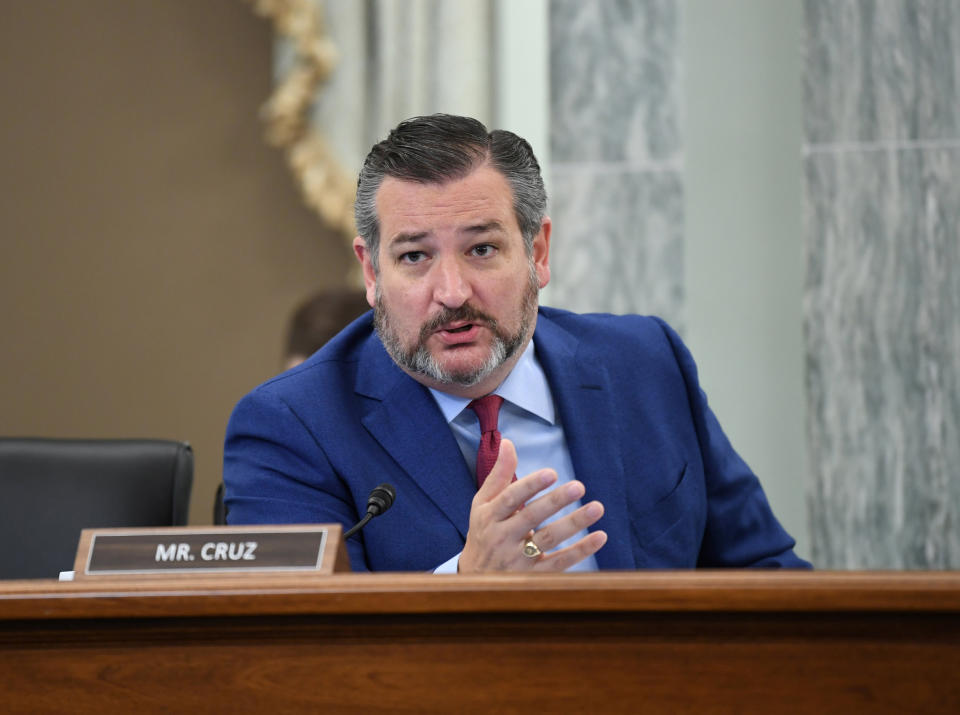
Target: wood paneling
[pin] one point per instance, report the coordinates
(656, 642)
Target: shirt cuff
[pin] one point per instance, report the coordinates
(448, 566)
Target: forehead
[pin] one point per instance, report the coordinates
(405, 207)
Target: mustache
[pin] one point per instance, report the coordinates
(465, 313)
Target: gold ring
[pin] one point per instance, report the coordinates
(531, 550)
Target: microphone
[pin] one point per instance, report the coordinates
(380, 499)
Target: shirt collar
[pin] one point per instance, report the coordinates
(526, 387)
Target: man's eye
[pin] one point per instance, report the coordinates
(412, 257)
(483, 250)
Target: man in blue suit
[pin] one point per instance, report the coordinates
(622, 465)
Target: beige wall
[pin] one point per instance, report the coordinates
(152, 244)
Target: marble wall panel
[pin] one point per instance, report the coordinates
(882, 299)
(618, 242)
(882, 69)
(882, 322)
(614, 80)
(615, 144)
(883, 358)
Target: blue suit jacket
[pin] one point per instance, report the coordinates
(310, 444)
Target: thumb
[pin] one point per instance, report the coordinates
(502, 473)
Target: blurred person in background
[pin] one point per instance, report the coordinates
(319, 318)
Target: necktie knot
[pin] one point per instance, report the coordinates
(487, 409)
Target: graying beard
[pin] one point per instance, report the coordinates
(421, 362)
(425, 364)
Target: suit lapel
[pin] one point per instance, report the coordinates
(581, 386)
(407, 423)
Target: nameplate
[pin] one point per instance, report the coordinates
(315, 548)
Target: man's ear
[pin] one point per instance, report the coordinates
(541, 251)
(369, 275)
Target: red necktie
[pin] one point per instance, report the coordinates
(487, 409)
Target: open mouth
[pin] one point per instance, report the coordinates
(461, 329)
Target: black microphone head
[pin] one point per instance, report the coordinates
(381, 499)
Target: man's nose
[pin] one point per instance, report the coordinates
(451, 286)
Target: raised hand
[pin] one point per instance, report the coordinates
(499, 527)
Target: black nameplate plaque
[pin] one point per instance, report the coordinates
(210, 550)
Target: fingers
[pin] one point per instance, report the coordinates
(501, 475)
(564, 558)
(504, 514)
(516, 495)
(534, 513)
(505, 498)
(562, 529)
(542, 508)
(556, 532)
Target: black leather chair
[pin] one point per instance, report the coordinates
(219, 508)
(50, 489)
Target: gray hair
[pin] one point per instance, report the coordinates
(443, 147)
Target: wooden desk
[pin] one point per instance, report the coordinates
(611, 642)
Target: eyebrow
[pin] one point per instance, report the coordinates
(488, 227)
(401, 238)
(417, 236)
